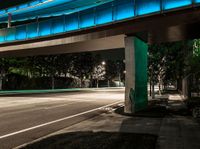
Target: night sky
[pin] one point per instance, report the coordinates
(9, 3)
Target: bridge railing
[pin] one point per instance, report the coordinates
(21, 6)
(115, 11)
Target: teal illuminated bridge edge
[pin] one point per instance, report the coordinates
(47, 8)
(106, 13)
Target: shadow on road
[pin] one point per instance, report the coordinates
(154, 112)
(98, 140)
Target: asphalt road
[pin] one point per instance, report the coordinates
(24, 118)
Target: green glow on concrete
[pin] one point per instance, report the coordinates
(12, 92)
(16, 92)
(140, 93)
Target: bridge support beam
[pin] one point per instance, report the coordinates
(136, 96)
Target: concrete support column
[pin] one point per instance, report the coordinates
(136, 97)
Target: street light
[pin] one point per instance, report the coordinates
(103, 63)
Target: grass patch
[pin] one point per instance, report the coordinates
(98, 140)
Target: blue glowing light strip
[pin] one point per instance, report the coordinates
(114, 11)
(23, 6)
(47, 8)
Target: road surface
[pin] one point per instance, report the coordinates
(24, 118)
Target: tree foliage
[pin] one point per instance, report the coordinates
(173, 62)
(82, 67)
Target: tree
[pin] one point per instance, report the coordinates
(156, 66)
(194, 69)
(38, 66)
(166, 63)
(51, 62)
(120, 65)
(82, 66)
(99, 73)
(4, 67)
(196, 48)
(111, 71)
(64, 64)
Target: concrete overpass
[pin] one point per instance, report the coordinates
(130, 24)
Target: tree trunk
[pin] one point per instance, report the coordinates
(162, 86)
(108, 83)
(153, 91)
(1, 83)
(119, 79)
(151, 84)
(159, 84)
(1, 80)
(189, 87)
(91, 82)
(97, 83)
(179, 84)
(81, 83)
(52, 82)
(150, 87)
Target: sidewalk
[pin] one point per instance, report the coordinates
(170, 122)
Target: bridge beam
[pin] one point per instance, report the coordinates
(63, 45)
(136, 97)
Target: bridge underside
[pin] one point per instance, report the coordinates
(168, 27)
(62, 46)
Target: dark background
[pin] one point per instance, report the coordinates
(9, 3)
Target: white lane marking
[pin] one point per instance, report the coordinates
(56, 121)
(59, 106)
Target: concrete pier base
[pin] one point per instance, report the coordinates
(136, 97)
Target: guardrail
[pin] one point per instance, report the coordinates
(21, 6)
(117, 10)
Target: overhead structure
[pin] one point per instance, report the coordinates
(74, 15)
(47, 8)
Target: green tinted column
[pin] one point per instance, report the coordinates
(136, 74)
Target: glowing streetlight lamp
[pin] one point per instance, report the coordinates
(103, 63)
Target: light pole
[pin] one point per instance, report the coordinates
(9, 20)
(119, 73)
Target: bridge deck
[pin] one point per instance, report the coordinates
(111, 12)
